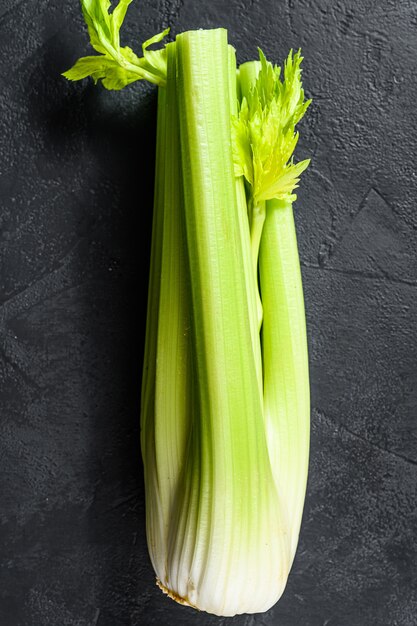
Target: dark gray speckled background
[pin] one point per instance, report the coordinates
(76, 177)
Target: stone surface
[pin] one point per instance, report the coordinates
(75, 200)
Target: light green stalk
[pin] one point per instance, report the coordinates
(285, 357)
(250, 267)
(167, 395)
(229, 547)
(269, 112)
(148, 442)
(248, 73)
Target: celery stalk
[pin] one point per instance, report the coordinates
(228, 541)
(167, 388)
(250, 268)
(148, 442)
(224, 411)
(285, 357)
(270, 109)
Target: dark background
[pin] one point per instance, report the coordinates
(76, 184)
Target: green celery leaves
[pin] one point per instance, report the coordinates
(116, 66)
(264, 130)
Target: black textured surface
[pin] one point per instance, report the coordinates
(76, 170)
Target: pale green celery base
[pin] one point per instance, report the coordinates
(167, 387)
(285, 357)
(173, 595)
(228, 542)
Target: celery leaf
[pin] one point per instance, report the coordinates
(116, 66)
(264, 135)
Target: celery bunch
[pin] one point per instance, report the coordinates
(225, 390)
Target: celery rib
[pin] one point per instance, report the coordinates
(228, 478)
(285, 356)
(167, 407)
